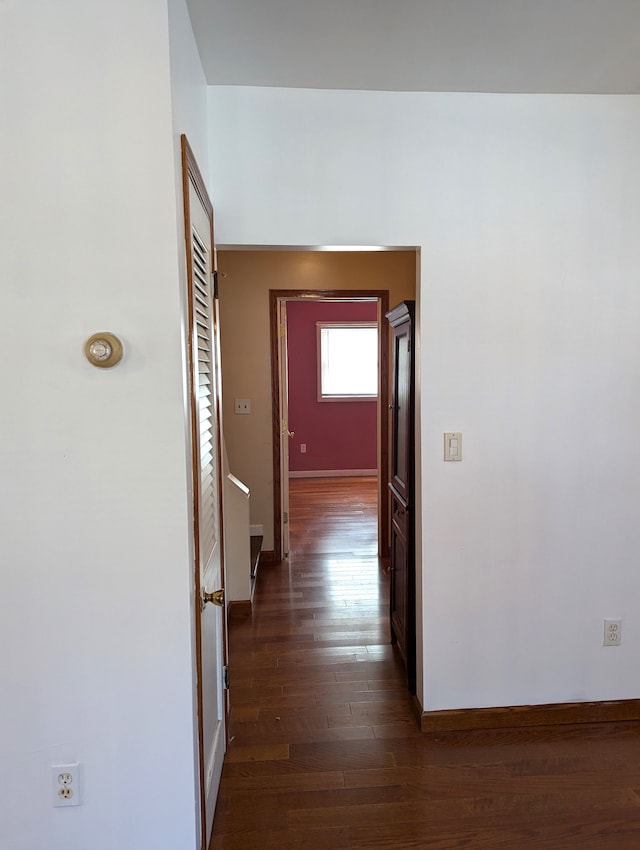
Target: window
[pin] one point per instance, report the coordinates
(347, 361)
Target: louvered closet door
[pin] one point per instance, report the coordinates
(206, 400)
(206, 447)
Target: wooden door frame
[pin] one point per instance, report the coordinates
(382, 298)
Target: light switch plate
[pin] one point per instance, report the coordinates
(453, 445)
(242, 405)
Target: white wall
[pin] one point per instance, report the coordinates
(95, 624)
(527, 211)
(188, 93)
(189, 114)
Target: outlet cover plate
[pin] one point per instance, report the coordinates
(612, 632)
(65, 784)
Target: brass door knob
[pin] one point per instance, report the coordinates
(217, 597)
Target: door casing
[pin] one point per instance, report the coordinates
(209, 667)
(382, 297)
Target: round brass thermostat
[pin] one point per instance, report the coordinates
(103, 349)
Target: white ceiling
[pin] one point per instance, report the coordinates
(572, 46)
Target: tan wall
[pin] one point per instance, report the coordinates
(246, 351)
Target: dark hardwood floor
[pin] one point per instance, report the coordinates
(325, 753)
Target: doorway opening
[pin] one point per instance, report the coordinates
(359, 304)
(249, 338)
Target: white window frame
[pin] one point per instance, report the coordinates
(337, 397)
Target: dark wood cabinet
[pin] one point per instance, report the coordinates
(402, 487)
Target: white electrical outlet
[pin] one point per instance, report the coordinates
(303, 448)
(65, 784)
(612, 632)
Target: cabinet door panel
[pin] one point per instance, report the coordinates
(401, 486)
(401, 453)
(398, 588)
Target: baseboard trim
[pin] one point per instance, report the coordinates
(239, 608)
(416, 705)
(334, 473)
(507, 717)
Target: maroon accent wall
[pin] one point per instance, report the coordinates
(338, 434)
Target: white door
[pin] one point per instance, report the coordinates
(206, 450)
(285, 433)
